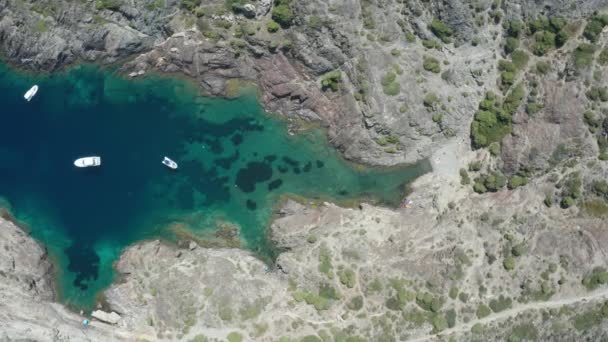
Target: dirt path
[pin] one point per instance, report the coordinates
(597, 295)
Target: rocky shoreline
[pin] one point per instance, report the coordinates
(338, 275)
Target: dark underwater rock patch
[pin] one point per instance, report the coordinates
(253, 173)
(275, 184)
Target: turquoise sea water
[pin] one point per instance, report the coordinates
(235, 161)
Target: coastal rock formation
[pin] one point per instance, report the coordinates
(376, 50)
(27, 307)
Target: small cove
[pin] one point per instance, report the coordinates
(235, 163)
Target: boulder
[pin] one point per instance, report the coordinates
(106, 317)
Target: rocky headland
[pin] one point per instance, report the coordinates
(504, 240)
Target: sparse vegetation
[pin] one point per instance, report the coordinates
(441, 30)
(114, 5)
(282, 13)
(390, 86)
(431, 64)
(331, 80)
(583, 55)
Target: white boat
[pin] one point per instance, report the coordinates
(30, 93)
(170, 163)
(87, 161)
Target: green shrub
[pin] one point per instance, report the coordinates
(543, 67)
(523, 332)
(603, 57)
(234, 337)
(597, 93)
(441, 30)
(543, 42)
(355, 304)
(483, 311)
(511, 44)
(347, 277)
(464, 177)
(508, 263)
(513, 101)
(598, 277)
(515, 28)
(494, 148)
(282, 13)
(479, 188)
(493, 181)
(439, 323)
(410, 37)
(500, 304)
(533, 108)
(583, 55)
(272, 26)
(331, 80)
(591, 119)
(595, 26)
(450, 317)
(389, 84)
(490, 123)
(517, 181)
(431, 44)
(431, 64)
(567, 202)
(518, 250)
(477, 328)
(430, 99)
(475, 166)
(392, 89)
(428, 302)
(600, 188)
(571, 185)
(315, 22)
(587, 320)
(114, 5)
(520, 59)
(437, 118)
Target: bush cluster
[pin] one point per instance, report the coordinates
(571, 189)
(595, 26)
(583, 55)
(390, 86)
(114, 5)
(492, 182)
(331, 80)
(431, 64)
(282, 13)
(493, 120)
(548, 33)
(441, 30)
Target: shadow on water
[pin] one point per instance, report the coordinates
(235, 163)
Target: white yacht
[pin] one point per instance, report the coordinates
(87, 161)
(170, 163)
(30, 93)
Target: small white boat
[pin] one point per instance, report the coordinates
(30, 93)
(170, 163)
(87, 161)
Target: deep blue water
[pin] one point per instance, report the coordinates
(234, 161)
